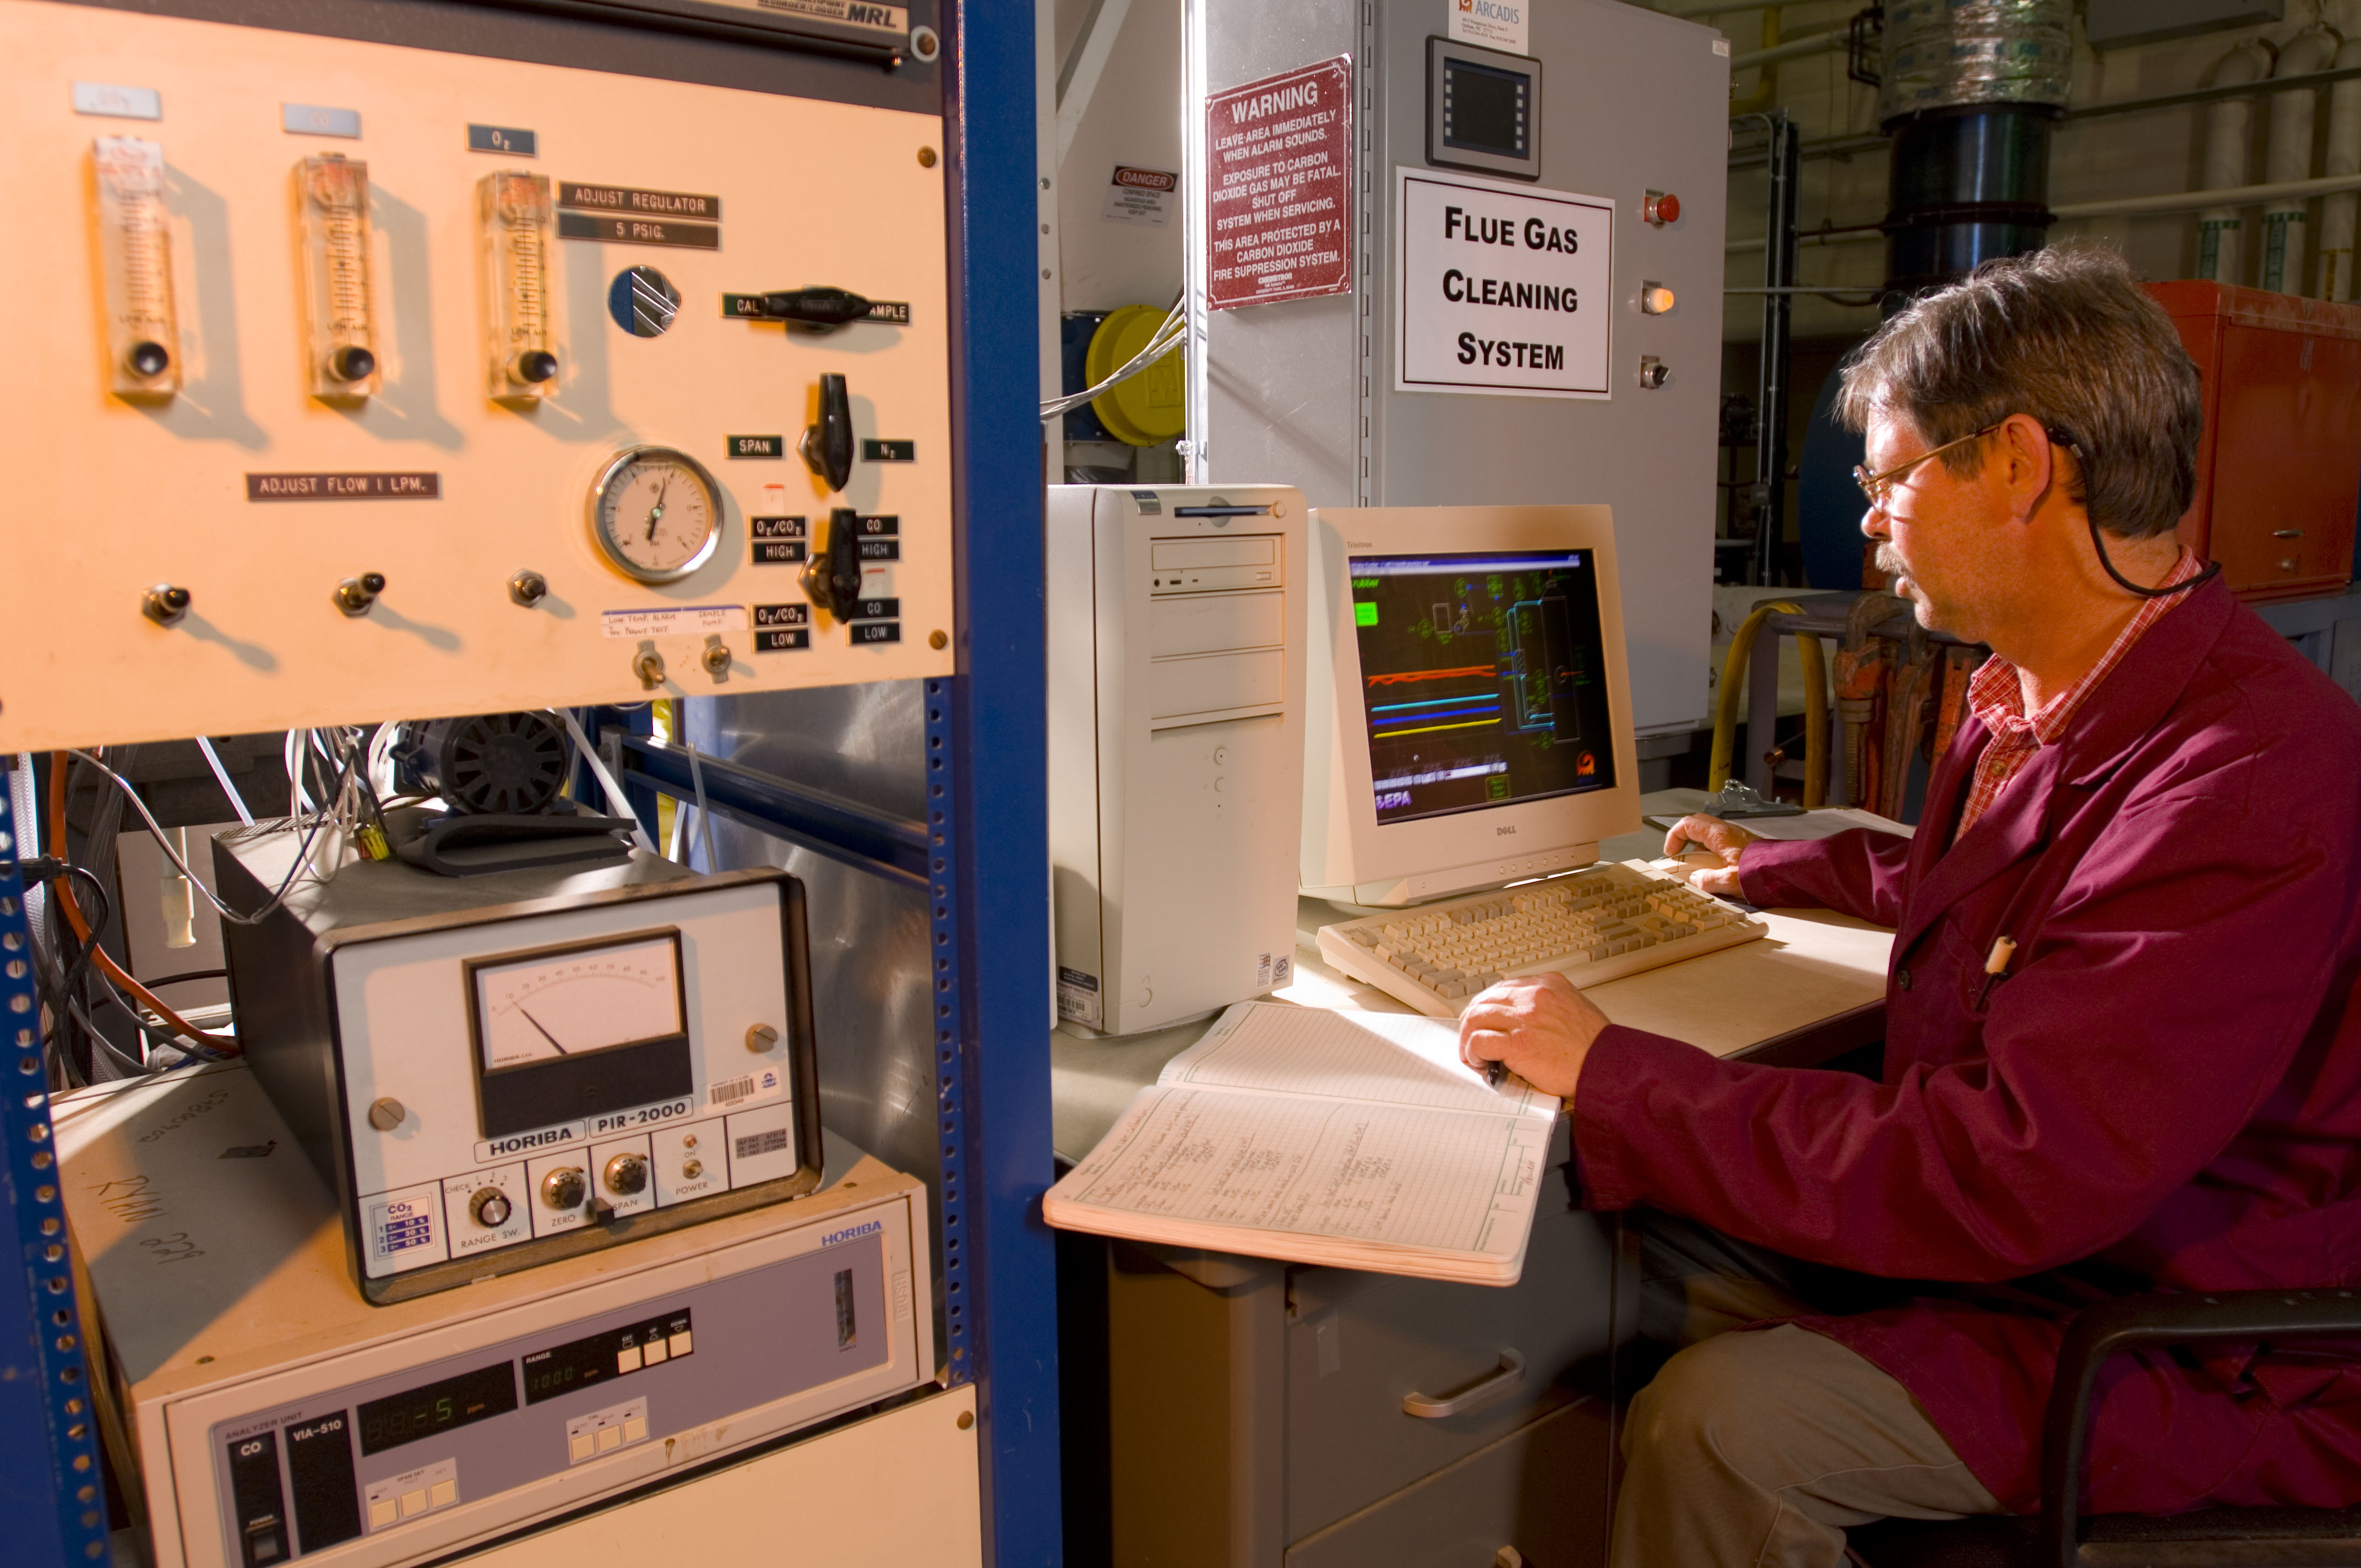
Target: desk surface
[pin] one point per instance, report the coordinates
(1813, 989)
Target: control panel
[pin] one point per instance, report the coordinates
(493, 1080)
(370, 381)
(287, 1421)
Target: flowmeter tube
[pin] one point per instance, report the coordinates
(515, 211)
(341, 347)
(143, 335)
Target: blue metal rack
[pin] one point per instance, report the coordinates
(982, 854)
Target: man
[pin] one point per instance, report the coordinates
(2123, 1015)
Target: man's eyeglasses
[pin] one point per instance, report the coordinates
(1879, 487)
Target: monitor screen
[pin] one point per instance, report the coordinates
(1484, 107)
(1482, 679)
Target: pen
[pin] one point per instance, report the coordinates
(2004, 948)
(1496, 1073)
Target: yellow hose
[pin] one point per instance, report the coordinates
(1816, 704)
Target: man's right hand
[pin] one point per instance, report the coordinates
(1725, 841)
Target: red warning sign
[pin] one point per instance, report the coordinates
(1280, 194)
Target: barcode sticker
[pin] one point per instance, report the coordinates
(766, 1083)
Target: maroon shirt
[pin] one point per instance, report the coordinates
(2164, 1094)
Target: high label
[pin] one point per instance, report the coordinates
(1280, 193)
(1501, 288)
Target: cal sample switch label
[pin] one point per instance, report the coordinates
(1501, 288)
(1280, 188)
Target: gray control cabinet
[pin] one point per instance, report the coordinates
(1302, 392)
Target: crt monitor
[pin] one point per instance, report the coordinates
(1468, 722)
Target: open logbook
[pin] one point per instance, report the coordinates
(1353, 1139)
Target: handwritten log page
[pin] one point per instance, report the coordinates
(1354, 1139)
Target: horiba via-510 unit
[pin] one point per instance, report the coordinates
(269, 1415)
(493, 1071)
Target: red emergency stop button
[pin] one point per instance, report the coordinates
(1661, 207)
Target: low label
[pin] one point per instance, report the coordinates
(344, 487)
(1140, 196)
(877, 631)
(865, 14)
(638, 231)
(756, 445)
(782, 642)
(505, 139)
(778, 552)
(690, 620)
(625, 200)
(318, 120)
(889, 451)
(875, 609)
(880, 549)
(879, 527)
(117, 103)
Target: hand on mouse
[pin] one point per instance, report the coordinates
(1713, 847)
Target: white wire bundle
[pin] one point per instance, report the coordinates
(1169, 333)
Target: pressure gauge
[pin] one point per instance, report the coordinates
(656, 515)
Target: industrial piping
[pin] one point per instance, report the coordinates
(2221, 242)
(2337, 213)
(2288, 156)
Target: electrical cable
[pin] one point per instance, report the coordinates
(1169, 333)
(2065, 438)
(704, 817)
(221, 777)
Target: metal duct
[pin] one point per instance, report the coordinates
(1943, 54)
(1971, 91)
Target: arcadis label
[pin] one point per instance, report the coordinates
(1501, 289)
(1495, 24)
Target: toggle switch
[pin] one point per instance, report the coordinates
(166, 604)
(832, 579)
(826, 447)
(821, 309)
(1653, 372)
(354, 595)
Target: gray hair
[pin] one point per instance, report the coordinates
(2067, 336)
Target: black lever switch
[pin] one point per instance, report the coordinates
(827, 445)
(832, 580)
(823, 308)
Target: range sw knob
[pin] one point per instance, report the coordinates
(563, 1188)
(490, 1208)
(627, 1174)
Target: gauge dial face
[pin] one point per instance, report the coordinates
(547, 1005)
(656, 515)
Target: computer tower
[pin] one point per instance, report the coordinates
(1177, 620)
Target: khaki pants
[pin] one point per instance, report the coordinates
(1757, 1449)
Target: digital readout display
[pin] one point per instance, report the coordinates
(601, 1358)
(438, 1408)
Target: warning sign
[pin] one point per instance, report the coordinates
(1279, 187)
(1501, 288)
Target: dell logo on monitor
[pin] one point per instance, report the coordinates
(1504, 831)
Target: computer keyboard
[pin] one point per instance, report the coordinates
(1591, 925)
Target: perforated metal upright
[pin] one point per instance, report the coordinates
(982, 854)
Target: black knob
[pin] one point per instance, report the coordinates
(627, 1174)
(821, 307)
(147, 357)
(373, 581)
(352, 363)
(827, 445)
(165, 603)
(563, 1188)
(533, 366)
(490, 1208)
(843, 558)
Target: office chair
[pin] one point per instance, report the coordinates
(2063, 1536)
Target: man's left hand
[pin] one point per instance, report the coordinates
(1539, 1025)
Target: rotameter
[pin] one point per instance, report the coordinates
(496, 1071)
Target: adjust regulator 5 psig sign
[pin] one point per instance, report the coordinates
(1500, 289)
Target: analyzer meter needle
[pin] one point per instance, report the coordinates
(545, 1033)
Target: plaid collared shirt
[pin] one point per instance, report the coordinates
(1998, 702)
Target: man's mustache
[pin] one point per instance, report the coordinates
(1889, 561)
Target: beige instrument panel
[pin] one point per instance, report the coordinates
(236, 370)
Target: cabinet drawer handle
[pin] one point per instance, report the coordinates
(1484, 1391)
(2287, 533)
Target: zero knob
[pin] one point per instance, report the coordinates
(490, 1208)
(563, 1188)
(627, 1174)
